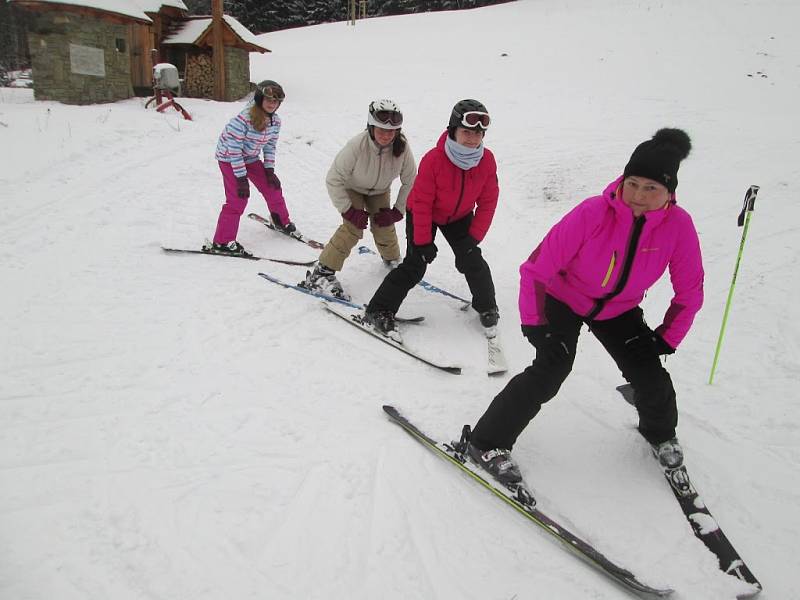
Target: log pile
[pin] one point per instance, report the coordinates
(199, 76)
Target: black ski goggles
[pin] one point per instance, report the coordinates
(388, 117)
(474, 119)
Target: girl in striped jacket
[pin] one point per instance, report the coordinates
(252, 132)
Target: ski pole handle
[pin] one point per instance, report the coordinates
(749, 203)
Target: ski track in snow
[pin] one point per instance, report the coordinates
(177, 427)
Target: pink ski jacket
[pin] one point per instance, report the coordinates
(444, 193)
(586, 262)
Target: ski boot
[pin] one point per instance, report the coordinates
(232, 248)
(323, 280)
(669, 453)
(288, 228)
(383, 322)
(489, 319)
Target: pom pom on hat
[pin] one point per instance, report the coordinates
(659, 157)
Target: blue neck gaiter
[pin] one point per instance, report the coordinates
(462, 156)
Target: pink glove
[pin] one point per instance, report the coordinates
(387, 216)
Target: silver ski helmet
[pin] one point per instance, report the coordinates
(385, 114)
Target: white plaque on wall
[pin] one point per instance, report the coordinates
(85, 60)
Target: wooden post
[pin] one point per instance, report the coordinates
(218, 50)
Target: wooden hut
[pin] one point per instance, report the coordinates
(91, 51)
(190, 49)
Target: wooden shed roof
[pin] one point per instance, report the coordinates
(197, 31)
(133, 9)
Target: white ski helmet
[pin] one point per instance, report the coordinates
(385, 114)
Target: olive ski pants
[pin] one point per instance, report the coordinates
(347, 235)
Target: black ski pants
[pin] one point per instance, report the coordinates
(519, 402)
(469, 262)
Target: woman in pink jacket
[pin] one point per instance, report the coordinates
(593, 268)
(455, 192)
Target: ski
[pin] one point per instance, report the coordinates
(329, 298)
(295, 236)
(355, 319)
(572, 542)
(497, 364)
(703, 523)
(210, 253)
(426, 285)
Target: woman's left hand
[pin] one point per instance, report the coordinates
(272, 179)
(648, 344)
(387, 216)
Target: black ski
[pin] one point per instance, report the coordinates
(704, 525)
(355, 319)
(581, 548)
(295, 236)
(211, 253)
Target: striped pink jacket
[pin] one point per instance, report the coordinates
(585, 261)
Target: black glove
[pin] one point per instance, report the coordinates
(427, 252)
(551, 348)
(648, 345)
(465, 245)
(242, 187)
(272, 179)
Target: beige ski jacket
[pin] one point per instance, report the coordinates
(365, 168)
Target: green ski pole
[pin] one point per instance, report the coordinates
(744, 219)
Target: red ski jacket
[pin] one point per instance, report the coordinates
(444, 193)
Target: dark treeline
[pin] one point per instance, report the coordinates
(13, 41)
(261, 16)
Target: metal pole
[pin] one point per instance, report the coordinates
(744, 219)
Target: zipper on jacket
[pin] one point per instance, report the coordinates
(380, 164)
(460, 196)
(638, 225)
(611, 266)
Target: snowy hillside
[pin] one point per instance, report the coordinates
(175, 427)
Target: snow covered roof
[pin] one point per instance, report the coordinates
(155, 5)
(129, 8)
(193, 30)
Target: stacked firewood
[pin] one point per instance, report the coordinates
(199, 77)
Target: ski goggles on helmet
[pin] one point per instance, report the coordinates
(473, 119)
(388, 117)
(271, 92)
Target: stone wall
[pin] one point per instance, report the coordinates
(79, 59)
(237, 73)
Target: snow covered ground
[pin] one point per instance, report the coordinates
(176, 427)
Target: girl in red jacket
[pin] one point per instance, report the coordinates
(455, 192)
(594, 267)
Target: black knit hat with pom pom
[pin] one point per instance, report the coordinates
(659, 158)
